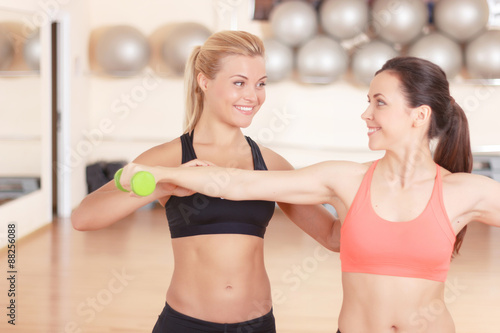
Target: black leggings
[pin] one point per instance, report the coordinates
(171, 321)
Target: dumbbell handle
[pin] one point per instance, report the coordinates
(143, 183)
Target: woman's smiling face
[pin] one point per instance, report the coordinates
(387, 116)
(237, 92)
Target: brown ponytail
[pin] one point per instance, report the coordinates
(453, 152)
(424, 83)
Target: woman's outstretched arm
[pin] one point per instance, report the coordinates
(310, 185)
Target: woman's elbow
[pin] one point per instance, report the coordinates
(333, 246)
(334, 237)
(79, 222)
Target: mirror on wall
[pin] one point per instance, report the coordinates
(20, 106)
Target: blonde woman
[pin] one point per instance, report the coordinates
(403, 216)
(219, 282)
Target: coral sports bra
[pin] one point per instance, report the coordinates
(419, 248)
(199, 214)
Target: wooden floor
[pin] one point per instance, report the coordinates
(114, 280)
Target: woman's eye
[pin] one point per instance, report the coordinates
(379, 102)
(239, 83)
(261, 84)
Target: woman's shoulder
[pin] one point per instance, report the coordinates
(467, 187)
(164, 154)
(274, 161)
(464, 181)
(460, 177)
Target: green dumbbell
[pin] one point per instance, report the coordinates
(142, 183)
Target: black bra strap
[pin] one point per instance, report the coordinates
(188, 153)
(258, 160)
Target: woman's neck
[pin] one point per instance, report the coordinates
(408, 166)
(214, 132)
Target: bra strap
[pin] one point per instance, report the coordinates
(188, 153)
(258, 160)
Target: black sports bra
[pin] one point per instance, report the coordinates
(199, 214)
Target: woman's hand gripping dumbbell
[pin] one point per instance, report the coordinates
(143, 183)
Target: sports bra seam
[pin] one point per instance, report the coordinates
(359, 198)
(449, 229)
(390, 263)
(448, 233)
(429, 275)
(216, 223)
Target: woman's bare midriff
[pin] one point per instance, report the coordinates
(220, 278)
(390, 304)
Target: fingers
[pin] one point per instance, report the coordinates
(136, 178)
(142, 180)
(117, 178)
(197, 162)
(124, 177)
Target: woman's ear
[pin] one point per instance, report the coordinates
(422, 115)
(202, 81)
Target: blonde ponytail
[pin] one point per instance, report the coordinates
(194, 95)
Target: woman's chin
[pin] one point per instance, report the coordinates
(243, 123)
(374, 147)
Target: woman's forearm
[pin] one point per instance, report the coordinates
(104, 207)
(291, 186)
(303, 186)
(317, 222)
(233, 184)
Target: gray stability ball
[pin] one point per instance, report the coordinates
(441, 50)
(369, 58)
(122, 51)
(344, 19)
(321, 60)
(293, 22)
(482, 56)
(399, 21)
(279, 60)
(462, 20)
(32, 51)
(179, 42)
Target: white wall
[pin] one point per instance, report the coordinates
(76, 111)
(20, 118)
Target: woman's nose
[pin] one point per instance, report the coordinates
(368, 114)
